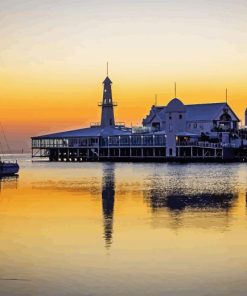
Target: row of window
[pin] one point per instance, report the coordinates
(157, 140)
(133, 140)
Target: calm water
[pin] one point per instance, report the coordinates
(124, 229)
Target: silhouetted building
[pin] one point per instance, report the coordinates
(107, 114)
(197, 132)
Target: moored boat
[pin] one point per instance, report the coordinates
(8, 168)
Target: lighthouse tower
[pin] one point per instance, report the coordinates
(107, 113)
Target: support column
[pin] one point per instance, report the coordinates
(130, 146)
(108, 148)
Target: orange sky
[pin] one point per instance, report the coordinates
(53, 59)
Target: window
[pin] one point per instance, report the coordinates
(195, 125)
(156, 126)
(180, 116)
(225, 117)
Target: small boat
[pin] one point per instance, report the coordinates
(8, 168)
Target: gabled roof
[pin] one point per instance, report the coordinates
(153, 112)
(196, 112)
(206, 112)
(203, 112)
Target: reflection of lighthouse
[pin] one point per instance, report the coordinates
(108, 193)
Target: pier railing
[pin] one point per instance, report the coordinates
(119, 142)
(200, 144)
(110, 141)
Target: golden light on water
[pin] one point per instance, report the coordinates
(92, 227)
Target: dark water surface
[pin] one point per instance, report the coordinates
(123, 229)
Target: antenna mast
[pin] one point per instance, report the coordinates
(226, 95)
(175, 89)
(107, 66)
(155, 101)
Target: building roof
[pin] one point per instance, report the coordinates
(203, 112)
(87, 132)
(195, 112)
(175, 105)
(107, 80)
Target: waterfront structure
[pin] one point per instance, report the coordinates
(199, 118)
(107, 114)
(179, 121)
(200, 132)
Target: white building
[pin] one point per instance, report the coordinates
(199, 118)
(187, 122)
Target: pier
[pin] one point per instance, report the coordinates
(176, 132)
(131, 148)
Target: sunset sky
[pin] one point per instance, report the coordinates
(53, 58)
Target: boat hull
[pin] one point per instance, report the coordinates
(8, 169)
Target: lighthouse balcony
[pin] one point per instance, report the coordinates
(103, 104)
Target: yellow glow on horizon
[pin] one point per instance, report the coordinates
(53, 60)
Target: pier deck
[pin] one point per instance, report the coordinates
(131, 148)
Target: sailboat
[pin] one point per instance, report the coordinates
(7, 168)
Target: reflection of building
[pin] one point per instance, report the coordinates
(201, 201)
(205, 201)
(8, 182)
(108, 194)
(176, 209)
(179, 193)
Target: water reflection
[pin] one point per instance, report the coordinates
(175, 229)
(108, 194)
(184, 198)
(9, 182)
(178, 196)
(200, 201)
(181, 189)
